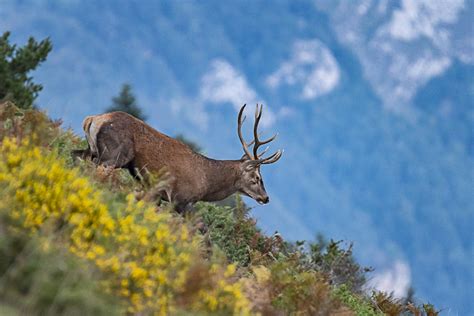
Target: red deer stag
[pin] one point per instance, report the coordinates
(119, 140)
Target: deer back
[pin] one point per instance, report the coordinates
(149, 149)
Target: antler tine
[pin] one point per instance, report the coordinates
(256, 141)
(259, 155)
(240, 121)
(273, 158)
(263, 152)
(264, 141)
(258, 115)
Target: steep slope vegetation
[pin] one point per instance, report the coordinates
(78, 239)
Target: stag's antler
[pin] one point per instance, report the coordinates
(240, 121)
(256, 142)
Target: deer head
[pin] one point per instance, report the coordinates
(251, 182)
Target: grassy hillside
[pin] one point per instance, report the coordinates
(81, 240)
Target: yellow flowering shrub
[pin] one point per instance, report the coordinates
(145, 257)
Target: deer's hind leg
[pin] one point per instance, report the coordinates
(133, 170)
(114, 152)
(118, 157)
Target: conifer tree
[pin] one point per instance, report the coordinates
(126, 102)
(15, 65)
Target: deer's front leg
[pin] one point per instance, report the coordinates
(183, 207)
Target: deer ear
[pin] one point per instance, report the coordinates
(249, 165)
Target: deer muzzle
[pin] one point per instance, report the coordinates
(263, 200)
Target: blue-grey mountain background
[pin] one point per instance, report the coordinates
(373, 102)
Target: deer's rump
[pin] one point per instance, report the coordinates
(119, 140)
(111, 145)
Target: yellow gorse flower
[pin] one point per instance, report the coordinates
(145, 256)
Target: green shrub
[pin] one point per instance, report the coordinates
(359, 304)
(235, 232)
(298, 291)
(337, 264)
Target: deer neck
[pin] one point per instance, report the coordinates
(222, 179)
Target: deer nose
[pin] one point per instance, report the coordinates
(265, 200)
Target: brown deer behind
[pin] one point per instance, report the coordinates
(119, 140)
